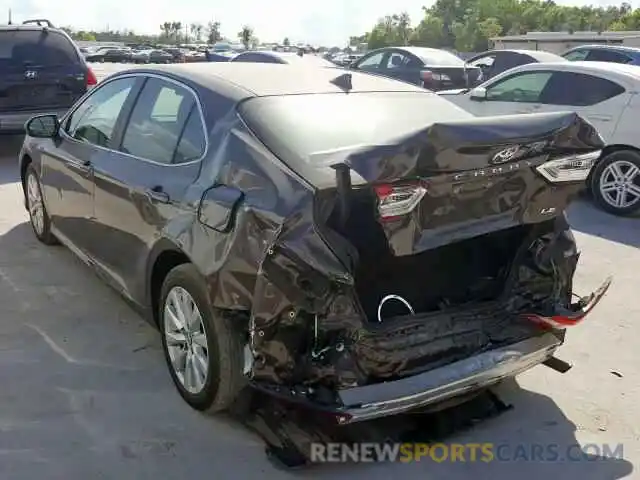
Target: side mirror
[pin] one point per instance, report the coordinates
(218, 207)
(479, 94)
(43, 126)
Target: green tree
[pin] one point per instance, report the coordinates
(286, 42)
(246, 35)
(468, 25)
(213, 32)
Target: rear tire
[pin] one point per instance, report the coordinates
(615, 183)
(38, 216)
(213, 335)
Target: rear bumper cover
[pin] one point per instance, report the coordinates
(458, 378)
(13, 122)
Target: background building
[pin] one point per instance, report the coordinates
(558, 42)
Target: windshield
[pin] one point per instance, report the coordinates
(35, 48)
(440, 58)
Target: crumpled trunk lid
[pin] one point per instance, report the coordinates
(460, 179)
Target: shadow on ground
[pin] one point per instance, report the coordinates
(9, 150)
(531, 441)
(586, 218)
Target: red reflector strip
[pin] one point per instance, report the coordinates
(574, 318)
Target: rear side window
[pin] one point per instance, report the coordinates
(440, 58)
(602, 55)
(165, 125)
(579, 89)
(24, 48)
(255, 58)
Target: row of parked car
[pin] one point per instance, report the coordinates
(145, 54)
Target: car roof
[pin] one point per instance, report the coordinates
(539, 55)
(630, 72)
(29, 28)
(619, 48)
(239, 80)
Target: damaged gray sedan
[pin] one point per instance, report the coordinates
(347, 242)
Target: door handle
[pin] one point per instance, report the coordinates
(157, 194)
(84, 167)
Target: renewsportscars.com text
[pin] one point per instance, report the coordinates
(462, 452)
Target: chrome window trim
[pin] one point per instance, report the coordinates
(111, 79)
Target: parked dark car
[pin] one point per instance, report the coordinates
(494, 62)
(161, 56)
(177, 55)
(359, 270)
(428, 67)
(604, 53)
(41, 71)
(288, 58)
(113, 55)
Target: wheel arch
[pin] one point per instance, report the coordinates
(25, 161)
(165, 256)
(608, 150)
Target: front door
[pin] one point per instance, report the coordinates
(140, 187)
(68, 162)
(513, 94)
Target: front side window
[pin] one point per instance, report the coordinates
(160, 120)
(522, 88)
(372, 61)
(576, 55)
(95, 119)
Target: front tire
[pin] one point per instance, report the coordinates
(615, 183)
(38, 216)
(203, 349)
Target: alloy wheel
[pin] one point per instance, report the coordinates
(186, 340)
(34, 202)
(618, 185)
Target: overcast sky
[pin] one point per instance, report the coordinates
(327, 22)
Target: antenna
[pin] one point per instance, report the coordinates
(10, 17)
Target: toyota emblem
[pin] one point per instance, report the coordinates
(505, 155)
(30, 74)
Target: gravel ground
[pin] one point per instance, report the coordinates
(87, 394)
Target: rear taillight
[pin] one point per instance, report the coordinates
(428, 76)
(397, 200)
(575, 168)
(92, 80)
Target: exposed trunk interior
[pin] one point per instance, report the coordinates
(463, 272)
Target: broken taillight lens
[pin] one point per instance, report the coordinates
(397, 200)
(575, 168)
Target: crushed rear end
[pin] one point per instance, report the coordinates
(431, 259)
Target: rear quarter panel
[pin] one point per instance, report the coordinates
(626, 130)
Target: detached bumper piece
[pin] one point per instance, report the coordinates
(458, 378)
(575, 315)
